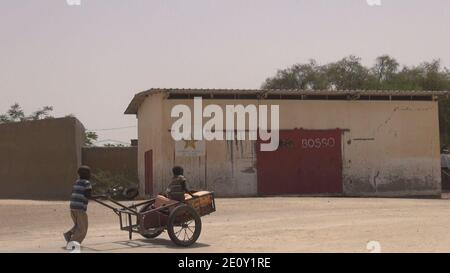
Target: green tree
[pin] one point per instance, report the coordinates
(348, 74)
(4, 118)
(16, 114)
(385, 69)
(90, 138)
(435, 77)
(299, 76)
(110, 145)
(386, 74)
(43, 113)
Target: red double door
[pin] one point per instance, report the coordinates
(306, 162)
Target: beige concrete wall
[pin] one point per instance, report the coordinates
(391, 148)
(39, 159)
(150, 138)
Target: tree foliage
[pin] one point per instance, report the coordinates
(16, 114)
(111, 145)
(385, 74)
(350, 74)
(90, 138)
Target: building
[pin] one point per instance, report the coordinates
(39, 159)
(343, 143)
(114, 161)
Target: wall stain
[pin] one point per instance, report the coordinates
(393, 113)
(375, 180)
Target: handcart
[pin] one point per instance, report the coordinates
(150, 218)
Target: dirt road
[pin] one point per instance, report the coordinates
(284, 224)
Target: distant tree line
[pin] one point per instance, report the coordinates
(385, 74)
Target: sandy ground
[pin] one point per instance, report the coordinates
(282, 224)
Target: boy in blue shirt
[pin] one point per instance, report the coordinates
(79, 200)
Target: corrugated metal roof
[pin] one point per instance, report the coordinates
(261, 93)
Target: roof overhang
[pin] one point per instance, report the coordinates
(266, 94)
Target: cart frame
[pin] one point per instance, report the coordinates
(127, 214)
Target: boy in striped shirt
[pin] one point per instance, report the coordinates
(78, 206)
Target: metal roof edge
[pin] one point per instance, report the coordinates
(140, 97)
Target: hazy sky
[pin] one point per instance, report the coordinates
(90, 60)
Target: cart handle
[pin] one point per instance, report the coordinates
(122, 208)
(97, 197)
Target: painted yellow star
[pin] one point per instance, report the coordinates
(189, 143)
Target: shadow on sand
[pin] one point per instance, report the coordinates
(138, 244)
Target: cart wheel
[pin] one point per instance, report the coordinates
(152, 233)
(131, 193)
(184, 225)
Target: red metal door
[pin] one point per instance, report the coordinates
(149, 172)
(320, 162)
(306, 162)
(277, 171)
